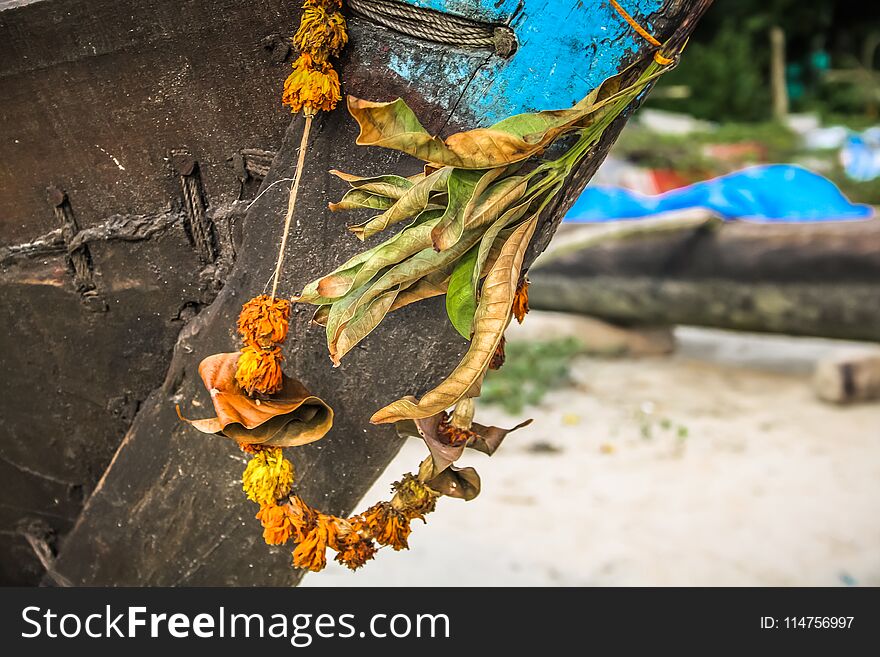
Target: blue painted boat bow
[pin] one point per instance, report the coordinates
(566, 48)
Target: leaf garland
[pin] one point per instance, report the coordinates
(471, 214)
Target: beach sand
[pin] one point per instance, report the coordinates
(713, 466)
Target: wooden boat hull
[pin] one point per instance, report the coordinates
(154, 124)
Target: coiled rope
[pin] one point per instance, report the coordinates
(439, 27)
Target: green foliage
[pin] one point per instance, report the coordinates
(726, 78)
(857, 191)
(685, 153)
(530, 371)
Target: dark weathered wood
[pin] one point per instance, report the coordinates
(169, 509)
(807, 279)
(83, 82)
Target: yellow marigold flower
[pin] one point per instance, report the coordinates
(277, 527)
(321, 32)
(312, 86)
(414, 497)
(267, 477)
(499, 356)
(387, 525)
(311, 553)
(263, 320)
(259, 370)
(521, 300)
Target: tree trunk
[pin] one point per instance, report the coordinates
(778, 88)
(169, 509)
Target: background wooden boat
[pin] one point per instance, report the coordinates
(134, 138)
(814, 279)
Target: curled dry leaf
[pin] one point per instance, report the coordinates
(367, 318)
(430, 285)
(491, 318)
(485, 439)
(394, 125)
(462, 483)
(288, 418)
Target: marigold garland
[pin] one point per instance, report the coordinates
(321, 30)
(313, 85)
(263, 324)
(284, 515)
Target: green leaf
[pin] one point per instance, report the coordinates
(389, 186)
(356, 199)
(367, 318)
(461, 297)
(421, 265)
(427, 287)
(462, 187)
(414, 201)
(492, 242)
(495, 201)
(407, 242)
(490, 321)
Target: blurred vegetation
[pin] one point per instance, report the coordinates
(687, 154)
(531, 369)
(831, 55)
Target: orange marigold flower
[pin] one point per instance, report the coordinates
(415, 498)
(277, 527)
(263, 320)
(354, 550)
(521, 300)
(499, 356)
(312, 86)
(302, 517)
(247, 448)
(387, 525)
(259, 370)
(321, 31)
(311, 553)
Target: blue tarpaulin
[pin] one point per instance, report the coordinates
(772, 193)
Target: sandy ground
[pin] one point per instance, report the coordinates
(715, 466)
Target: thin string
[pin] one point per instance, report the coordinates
(277, 182)
(291, 201)
(642, 32)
